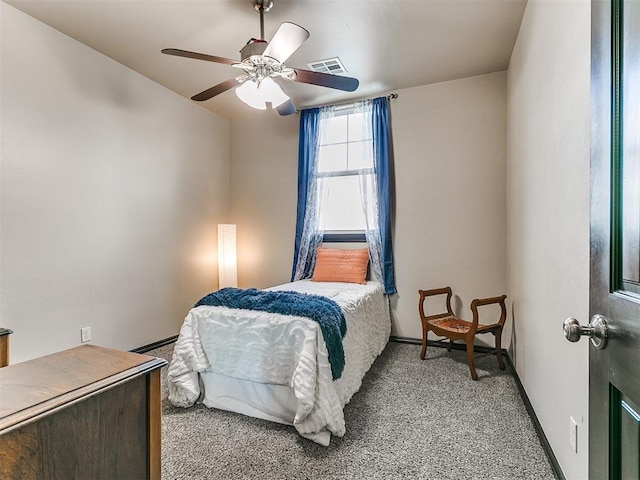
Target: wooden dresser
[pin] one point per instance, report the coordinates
(4, 346)
(84, 413)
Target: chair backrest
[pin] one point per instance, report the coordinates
(431, 293)
(490, 301)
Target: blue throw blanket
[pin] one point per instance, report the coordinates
(322, 310)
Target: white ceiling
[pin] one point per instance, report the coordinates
(386, 44)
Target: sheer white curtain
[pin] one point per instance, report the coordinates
(369, 192)
(313, 229)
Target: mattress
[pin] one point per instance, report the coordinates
(275, 366)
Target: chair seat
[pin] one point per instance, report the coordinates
(446, 324)
(456, 325)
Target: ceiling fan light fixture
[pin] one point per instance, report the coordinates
(249, 93)
(256, 94)
(272, 92)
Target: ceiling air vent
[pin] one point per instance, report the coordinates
(331, 65)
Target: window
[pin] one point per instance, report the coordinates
(344, 162)
(344, 185)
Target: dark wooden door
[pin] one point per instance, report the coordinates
(614, 371)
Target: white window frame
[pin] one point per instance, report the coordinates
(356, 235)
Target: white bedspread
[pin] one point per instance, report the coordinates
(284, 350)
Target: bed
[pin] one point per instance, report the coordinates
(276, 367)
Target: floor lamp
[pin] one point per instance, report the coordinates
(227, 257)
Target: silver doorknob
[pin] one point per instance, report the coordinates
(596, 330)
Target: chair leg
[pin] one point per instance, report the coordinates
(424, 342)
(450, 345)
(472, 367)
(498, 336)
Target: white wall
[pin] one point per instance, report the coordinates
(264, 179)
(548, 216)
(449, 141)
(111, 188)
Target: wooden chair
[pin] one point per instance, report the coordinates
(449, 326)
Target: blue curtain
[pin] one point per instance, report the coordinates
(307, 151)
(382, 167)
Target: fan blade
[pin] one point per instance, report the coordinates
(287, 108)
(338, 82)
(198, 56)
(287, 40)
(215, 90)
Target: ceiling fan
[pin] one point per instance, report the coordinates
(261, 62)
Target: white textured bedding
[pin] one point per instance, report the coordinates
(276, 366)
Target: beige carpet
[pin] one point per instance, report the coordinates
(411, 419)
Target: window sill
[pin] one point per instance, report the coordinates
(349, 237)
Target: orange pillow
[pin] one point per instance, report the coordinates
(335, 265)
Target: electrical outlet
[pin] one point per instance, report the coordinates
(85, 334)
(573, 434)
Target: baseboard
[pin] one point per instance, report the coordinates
(557, 470)
(442, 344)
(158, 344)
(525, 398)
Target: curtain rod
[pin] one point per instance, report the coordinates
(341, 106)
(350, 104)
